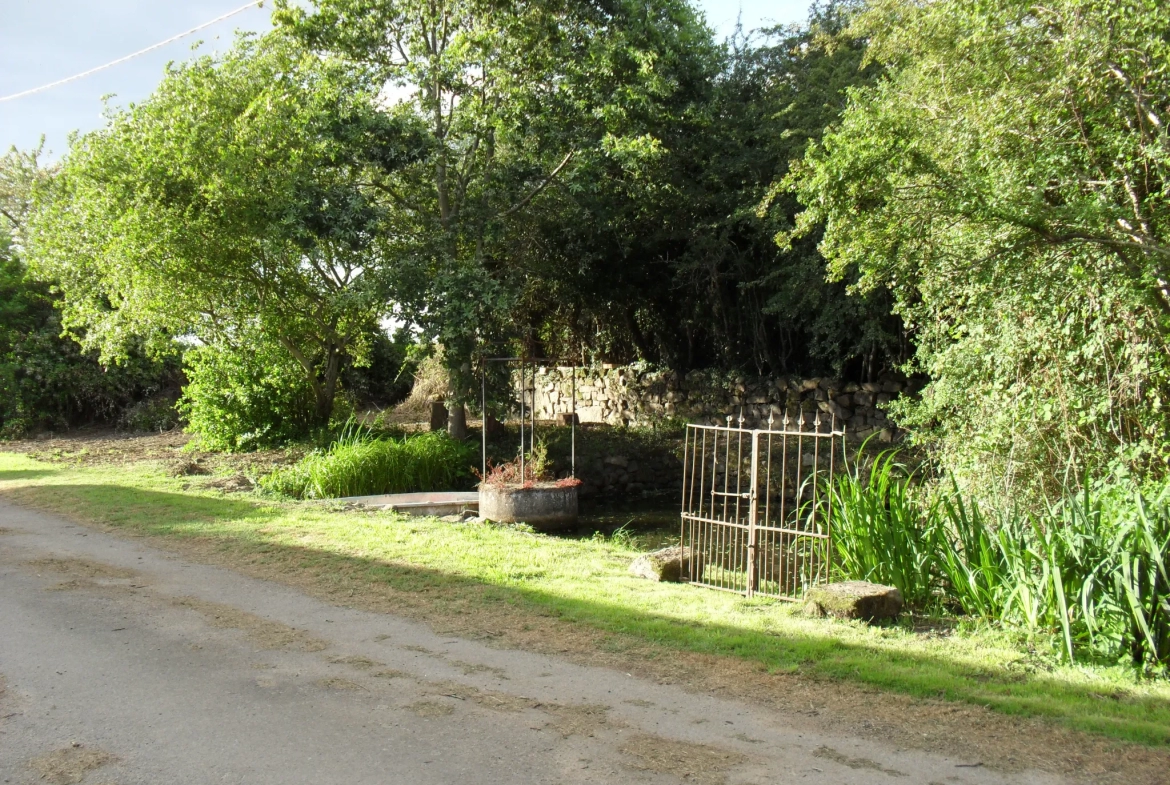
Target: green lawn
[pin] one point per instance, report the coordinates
(585, 582)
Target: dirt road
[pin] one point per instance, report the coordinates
(121, 664)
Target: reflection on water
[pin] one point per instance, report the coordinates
(653, 519)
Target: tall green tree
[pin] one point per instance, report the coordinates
(666, 256)
(232, 206)
(1007, 183)
(515, 97)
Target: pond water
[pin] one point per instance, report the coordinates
(652, 519)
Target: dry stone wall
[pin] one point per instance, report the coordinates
(632, 396)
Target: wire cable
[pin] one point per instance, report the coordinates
(121, 60)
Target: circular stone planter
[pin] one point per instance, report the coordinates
(544, 506)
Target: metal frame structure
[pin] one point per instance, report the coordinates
(526, 364)
(750, 529)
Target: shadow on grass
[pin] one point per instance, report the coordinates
(26, 474)
(1092, 708)
(120, 505)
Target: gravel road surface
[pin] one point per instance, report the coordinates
(121, 664)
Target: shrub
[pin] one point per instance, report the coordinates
(153, 414)
(245, 398)
(47, 381)
(362, 464)
(386, 376)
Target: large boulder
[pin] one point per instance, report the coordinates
(669, 564)
(854, 600)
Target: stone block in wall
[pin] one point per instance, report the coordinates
(589, 413)
(845, 400)
(837, 410)
(810, 384)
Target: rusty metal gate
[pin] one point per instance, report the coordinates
(755, 512)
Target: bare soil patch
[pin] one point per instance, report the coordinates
(70, 765)
(431, 708)
(345, 685)
(97, 447)
(265, 633)
(690, 762)
(82, 569)
(355, 661)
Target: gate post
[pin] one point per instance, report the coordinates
(753, 507)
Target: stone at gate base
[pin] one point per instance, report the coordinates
(854, 600)
(669, 564)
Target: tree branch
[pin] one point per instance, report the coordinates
(537, 191)
(10, 217)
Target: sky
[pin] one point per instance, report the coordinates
(42, 41)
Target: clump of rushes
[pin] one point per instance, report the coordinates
(881, 532)
(361, 463)
(1089, 569)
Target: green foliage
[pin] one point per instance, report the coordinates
(233, 200)
(1089, 569)
(540, 118)
(1006, 181)
(246, 398)
(656, 249)
(47, 381)
(385, 375)
(360, 463)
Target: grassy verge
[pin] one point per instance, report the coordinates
(475, 570)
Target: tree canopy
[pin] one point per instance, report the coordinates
(231, 206)
(972, 192)
(1007, 183)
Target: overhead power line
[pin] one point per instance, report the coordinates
(121, 60)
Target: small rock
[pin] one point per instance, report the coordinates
(236, 484)
(669, 564)
(187, 469)
(854, 600)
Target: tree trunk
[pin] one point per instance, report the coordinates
(326, 389)
(439, 416)
(457, 422)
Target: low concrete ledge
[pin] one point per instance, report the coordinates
(437, 504)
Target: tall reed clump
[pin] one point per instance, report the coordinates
(880, 532)
(1089, 568)
(361, 463)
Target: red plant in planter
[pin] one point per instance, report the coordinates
(508, 475)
